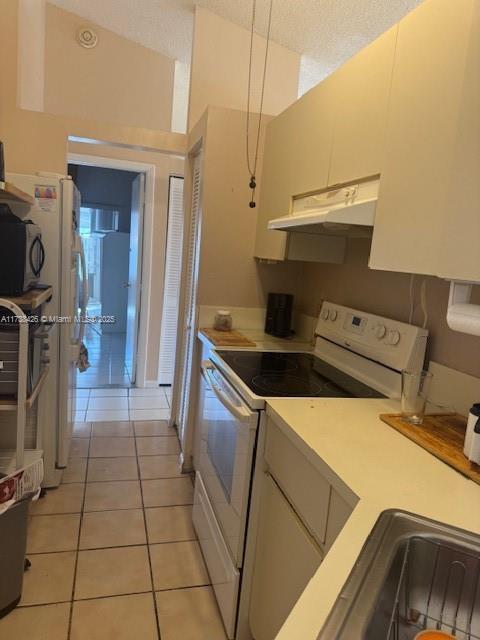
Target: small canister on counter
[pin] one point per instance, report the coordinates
(223, 320)
(472, 437)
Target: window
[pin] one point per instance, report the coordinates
(98, 219)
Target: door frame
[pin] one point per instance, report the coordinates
(147, 246)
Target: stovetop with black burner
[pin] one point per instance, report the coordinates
(303, 375)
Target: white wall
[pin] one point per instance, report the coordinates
(229, 275)
(117, 81)
(219, 72)
(31, 54)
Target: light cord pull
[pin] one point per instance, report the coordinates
(252, 168)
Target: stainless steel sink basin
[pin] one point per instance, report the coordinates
(412, 574)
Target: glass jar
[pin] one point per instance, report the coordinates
(223, 320)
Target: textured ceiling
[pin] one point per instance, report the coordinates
(325, 32)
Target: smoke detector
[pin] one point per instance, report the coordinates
(87, 37)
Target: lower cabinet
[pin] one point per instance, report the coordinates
(300, 515)
(286, 559)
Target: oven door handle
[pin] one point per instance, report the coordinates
(241, 413)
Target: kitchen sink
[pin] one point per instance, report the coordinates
(412, 574)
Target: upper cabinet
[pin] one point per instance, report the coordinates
(406, 107)
(460, 255)
(334, 134)
(423, 147)
(296, 160)
(361, 91)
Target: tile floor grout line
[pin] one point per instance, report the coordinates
(77, 513)
(77, 551)
(48, 553)
(123, 546)
(157, 617)
(42, 604)
(131, 480)
(142, 455)
(115, 595)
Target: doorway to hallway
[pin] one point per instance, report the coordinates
(111, 225)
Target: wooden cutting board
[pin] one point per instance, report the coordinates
(441, 435)
(227, 338)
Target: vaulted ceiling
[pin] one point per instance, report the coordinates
(325, 32)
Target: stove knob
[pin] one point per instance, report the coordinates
(333, 315)
(325, 314)
(380, 331)
(393, 337)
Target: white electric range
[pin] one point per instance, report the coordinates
(356, 355)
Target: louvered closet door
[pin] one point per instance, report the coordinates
(173, 272)
(190, 297)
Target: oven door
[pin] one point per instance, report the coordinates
(228, 433)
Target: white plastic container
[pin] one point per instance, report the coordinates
(472, 437)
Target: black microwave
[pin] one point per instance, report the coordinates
(22, 253)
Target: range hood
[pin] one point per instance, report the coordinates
(347, 211)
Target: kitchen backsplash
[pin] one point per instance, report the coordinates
(452, 390)
(243, 317)
(386, 293)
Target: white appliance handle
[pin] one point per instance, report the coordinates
(241, 413)
(83, 308)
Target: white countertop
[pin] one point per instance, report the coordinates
(263, 342)
(346, 438)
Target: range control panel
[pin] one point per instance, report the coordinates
(395, 344)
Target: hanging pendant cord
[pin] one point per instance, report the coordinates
(252, 169)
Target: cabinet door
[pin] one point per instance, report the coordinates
(426, 90)
(339, 512)
(361, 90)
(296, 160)
(460, 256)
(306, 489)
(286, 558)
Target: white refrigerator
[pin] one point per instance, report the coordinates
(57, 213)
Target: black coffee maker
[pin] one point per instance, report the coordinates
(278, 322)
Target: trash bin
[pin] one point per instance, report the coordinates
(13, 544)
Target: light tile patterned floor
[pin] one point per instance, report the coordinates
(108, 404)
(113, 549)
